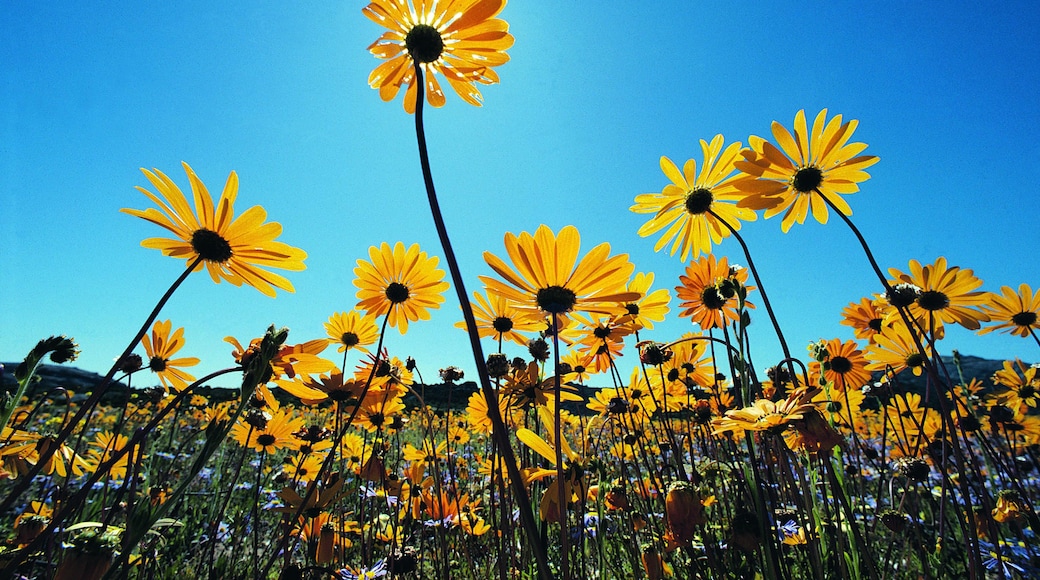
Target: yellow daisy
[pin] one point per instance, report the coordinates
(497, 318)
(547, 276)
(683, 206)
(352, 330)
(234, 249)
(947, 293)
(1014, 312)
(795, 177)
(460, 39)
(160, 348)
(404, 284)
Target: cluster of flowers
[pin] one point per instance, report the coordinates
(693, 466)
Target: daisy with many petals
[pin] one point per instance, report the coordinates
(843, 364)
(268, 434)
(946, 294)
(1019, 386)
(651, 308)
(160, 347)
(695, 208)
(352, 330)
(894, 349)
(498, 319)
(460, 39)
(807, 168)
(402, 283)
(1014, 312)
(866, 317)
(547, 276)
(708, 290)
(237, 250)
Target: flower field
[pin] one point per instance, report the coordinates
(606, 451)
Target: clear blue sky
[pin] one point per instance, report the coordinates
(945, 95)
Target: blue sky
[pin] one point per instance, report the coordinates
(589, 102)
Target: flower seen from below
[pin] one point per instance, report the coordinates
(947, 294)
(894, 350)
(460, 39)
(651, 308)
(1014, 312)
(695, 208)
(796, 175)
(402, 283)
(352, 330)
(237, 250)
(843, 365)
(547, 276)
(498, 319)
(866, 317)
(160, 347)
(268, 433)
(708, 292)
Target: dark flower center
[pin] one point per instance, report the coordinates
(915, 360)
(601, 332)
(211, 246)
(699, 201)
(556, 299)
(1024, 319)
(933, 300)
(502, 324)
(349, 339)
(712, 299)
(424, 43)
(875, 324)
(377, 419)
(396, 292)
(903, 295)
(157, 364)
(807, 179)
(1026, 392)
(266, 439)
(841, 365)
(632, 308)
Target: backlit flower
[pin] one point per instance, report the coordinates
(651, 308)
(237, 250)
(946, 293)
(795, 177)
(894, 349)
(1014, 312)
(352, 330)
(547, 276)
(160, 347)
(270, 435)
(708, 290)
(866, 317)
(496, 318)
(404, 284)
(460, 39)
(843, 365)
(684, 204)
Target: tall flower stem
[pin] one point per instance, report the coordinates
(761, 288)
(95, 397)
(975, 551)
(499, 433)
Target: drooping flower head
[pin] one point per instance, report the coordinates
(683, 205)
(460, 39)
(404, 284)
(795, 177)
(237, 250)
(547, 276)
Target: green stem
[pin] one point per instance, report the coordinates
(499, 429)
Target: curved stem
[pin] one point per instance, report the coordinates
(95, 397)
(499, 429)
(761, 287)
